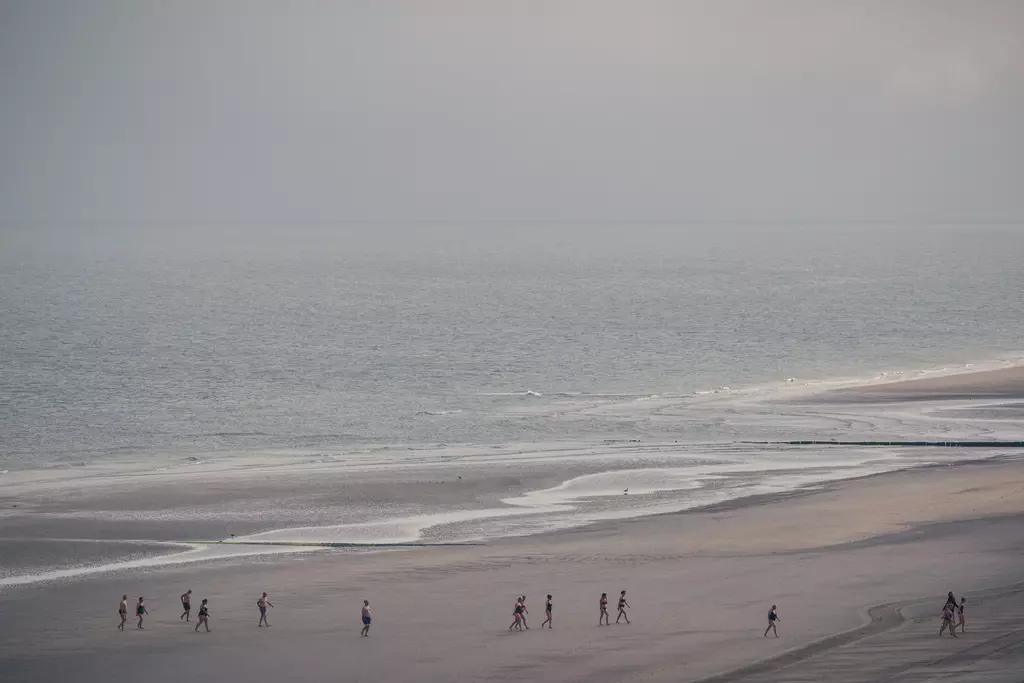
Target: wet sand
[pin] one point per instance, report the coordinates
(700, 584)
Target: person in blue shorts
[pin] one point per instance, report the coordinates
(367, 618)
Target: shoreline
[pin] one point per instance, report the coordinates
(278, 536)
(187, 553)
(792, 390)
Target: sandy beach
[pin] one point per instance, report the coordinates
(700, 585)
(858, 568)
(1001, 384)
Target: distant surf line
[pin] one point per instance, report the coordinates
(339, 544)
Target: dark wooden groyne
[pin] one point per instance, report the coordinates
(940, 444)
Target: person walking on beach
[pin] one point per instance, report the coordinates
(602, 616)
(951, 599)
(547, 613)
(963, 619)
(203, 616)
(122, 611)
(948, 613)
(186, 604)
(623, 606)
(140, 610)
(517, 616)
(262, 604)
(367, 618)
(773, 618)
(522, 603)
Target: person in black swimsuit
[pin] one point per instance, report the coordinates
(623, 606)
(547, 613)
(140, 610)
(204, 616)
(517, 616)
(522, 603)
(602, 616)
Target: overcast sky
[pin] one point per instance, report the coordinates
(767, 110)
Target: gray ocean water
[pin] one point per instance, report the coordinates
(160, 389)
(118, 341)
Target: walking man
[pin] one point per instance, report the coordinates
(367, 618)
(773, 618)
(122, 611)
(186, 604)
(262, 603)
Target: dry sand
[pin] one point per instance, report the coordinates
(1006, 383)
(700, 584)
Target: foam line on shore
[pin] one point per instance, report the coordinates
(194, 553)
(330, 544)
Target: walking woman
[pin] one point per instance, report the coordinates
(547, 613)
(623, 606)
(140, 610)
(517, 616)
(948, 619)
(204, 616)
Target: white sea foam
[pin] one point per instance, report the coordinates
(194, 553)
